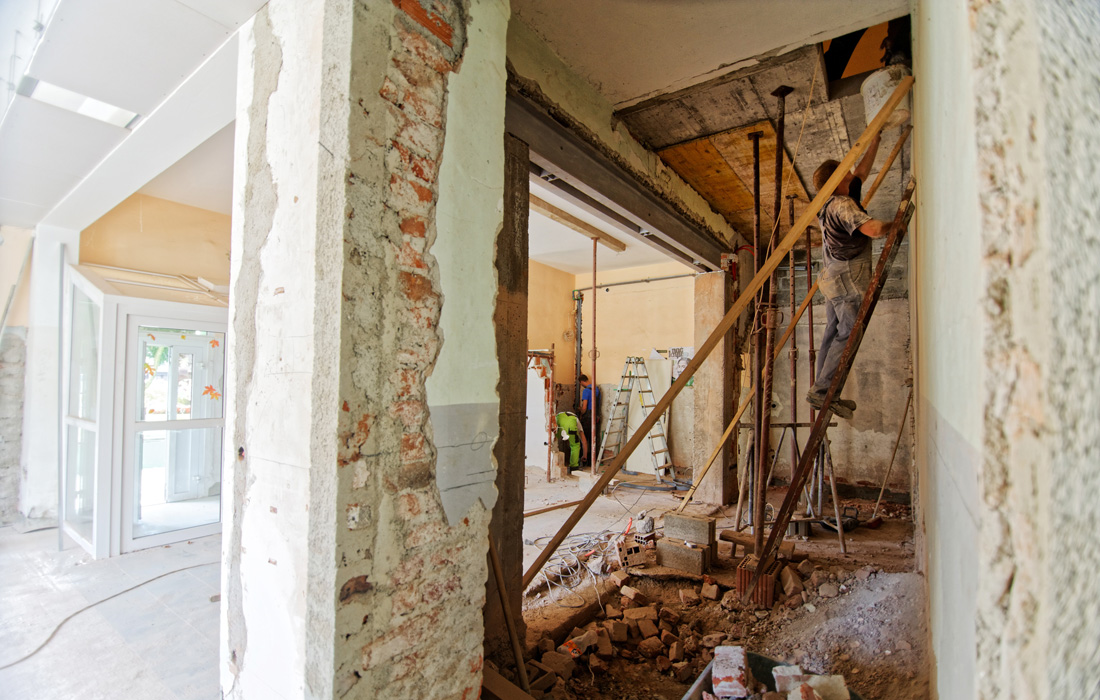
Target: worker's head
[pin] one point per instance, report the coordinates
(825, 171)
(584, 380)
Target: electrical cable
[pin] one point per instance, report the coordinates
(57, 629)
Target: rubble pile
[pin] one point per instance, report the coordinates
(680, 637)
(732, 679)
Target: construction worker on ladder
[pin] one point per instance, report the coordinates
(846, 231)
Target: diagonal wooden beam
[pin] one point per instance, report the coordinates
(817, 434)
(744, 404)
(702, 352)
(886, 166)
(582, 227)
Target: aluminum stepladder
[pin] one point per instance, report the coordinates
(634, 369)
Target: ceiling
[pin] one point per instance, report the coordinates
(203, 178)
(632, 50)
(562, 248)
(133, 54)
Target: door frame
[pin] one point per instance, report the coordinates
(132, 317)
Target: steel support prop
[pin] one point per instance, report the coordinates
(593, 438)
(759, 347)
(793, 352)
(817, 435)
(770, 291)
(716, 336)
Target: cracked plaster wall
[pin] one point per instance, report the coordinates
(343, 574)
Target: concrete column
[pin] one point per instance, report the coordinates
(713, 389)
(53, 248)
(369, 171)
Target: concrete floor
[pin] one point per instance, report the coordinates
(158, 641)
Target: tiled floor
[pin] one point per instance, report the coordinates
(159, 641)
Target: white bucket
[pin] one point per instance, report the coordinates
(877, 89)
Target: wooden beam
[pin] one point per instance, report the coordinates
(582, 227)
(547, 509)
(744, 404)
(702, 352)
(886, 166)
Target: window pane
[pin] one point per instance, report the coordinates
(178, 480)
(84, 357)
(185, 362)
(80, 480)
(182, 374)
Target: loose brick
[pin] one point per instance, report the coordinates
(730, 674)
(604, 648)
(647, 628)
(689, 597)
(651, 648)
(788, 677)
(670, 616)
(635, 595)
(663, 664)
(676, 652)
(681, 671)
(619, 631)
(562, 664)
(646, 613)
(619, 577)
(668, 638)
(709, 591)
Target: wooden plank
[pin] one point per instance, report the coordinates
(547, 509)
(767, 267)
(703, 167)
(582, 227)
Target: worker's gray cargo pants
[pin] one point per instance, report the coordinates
(843, 284)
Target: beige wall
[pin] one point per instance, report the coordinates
(12, 253)
(550, 317)
(634, 319)
(156, 235)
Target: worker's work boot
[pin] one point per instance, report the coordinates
(843, 408)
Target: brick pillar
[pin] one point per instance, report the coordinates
(358, 492)
(713, 389)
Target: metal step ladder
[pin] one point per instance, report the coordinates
(634, 370)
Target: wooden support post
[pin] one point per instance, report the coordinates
(719, 333)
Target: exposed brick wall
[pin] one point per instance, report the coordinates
(410, 584)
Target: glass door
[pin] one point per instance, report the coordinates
(174, 425)
(80, 419)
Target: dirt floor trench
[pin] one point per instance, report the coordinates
(861, 614)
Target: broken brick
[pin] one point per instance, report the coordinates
(651, 648)
(689, 597)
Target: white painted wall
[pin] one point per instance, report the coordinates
(946, 292)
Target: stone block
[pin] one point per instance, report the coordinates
(828, 590)
(689, 528)
(730, 674)
(692, 560)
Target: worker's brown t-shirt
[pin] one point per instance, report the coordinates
(840, 220)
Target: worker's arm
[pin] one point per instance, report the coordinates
(583, 407)
(875, 228)
(584, 443)
(864, 168)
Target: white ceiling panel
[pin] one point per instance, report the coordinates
(20, 214)
(45, 151)
(228, 13)
(203, 178)
(128, 53)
